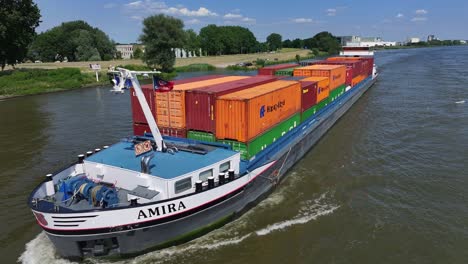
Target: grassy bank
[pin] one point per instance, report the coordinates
(37, 81)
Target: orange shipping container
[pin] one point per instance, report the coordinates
(323, 90)
(358, 79)
(245, 114)
(170, 106)
(335, 73)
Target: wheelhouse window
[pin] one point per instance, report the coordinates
(225, 166)
(183, 185)
(205, 174)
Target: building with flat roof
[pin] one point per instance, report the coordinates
(358, 41)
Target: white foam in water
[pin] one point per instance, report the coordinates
(460, 102)
(311, 210)
(41, 250)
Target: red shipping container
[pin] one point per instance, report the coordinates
(140, 129)
(368, 62)
(187, 80)
(201, 103)
(308, 95)
(354, 68)
(270, 70)
(137, 112)
(173, 132)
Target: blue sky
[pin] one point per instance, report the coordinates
(393, 20)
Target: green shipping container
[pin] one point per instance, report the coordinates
(314, 109)
(285, 72)
(201, 136)
(336, 93)
(250, 149)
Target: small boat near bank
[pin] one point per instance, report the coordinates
(153, 191)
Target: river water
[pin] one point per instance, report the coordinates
(387, 184)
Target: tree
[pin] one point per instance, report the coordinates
(18, 21)
(137, 52)
(274, 41)
(287, 43)
(193, 44)
(161, 35)
(75, 40)
(297, 43)
(325, 41)
(227, 40)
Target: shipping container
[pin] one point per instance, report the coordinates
(253, 147)
(201, 103)
(140, 129)
(309, 92)
(187, 80)
(285, 72)
(367, 62)
(270, 70)
(137, 111)
(201, 136)
(358, 79)
(245, 114)
(313, 110)
(336, 93)
(323, 84)
(353, 68)
(173, 132)
(335, 73)
(171, 105)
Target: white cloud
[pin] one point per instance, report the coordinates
(302, 20)
(110, 5)
(230, 16)
(248, 20)
(201, 12)
(331, 12)
(138, 18)
(421, 12)
(150, 7)
(399, 15)
(193, 21)
(419, 19)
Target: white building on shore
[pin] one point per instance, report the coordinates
(358, 41)
(127, 50)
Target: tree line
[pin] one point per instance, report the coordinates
(161, 34)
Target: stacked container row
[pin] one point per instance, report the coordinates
(253, 147)
(353, 68)
(335, 73)
(137, 112)
(170, 105)
(367, 62)
(245, 114)
(201, 103)
(285, 72)
(270, 70)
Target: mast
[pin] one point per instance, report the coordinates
(132, 75)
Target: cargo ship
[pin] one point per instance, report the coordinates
(204, 151)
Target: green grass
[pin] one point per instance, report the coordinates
(196, 67)
(283, 50)
(293, 60)
(36, 81)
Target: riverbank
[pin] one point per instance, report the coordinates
(217, 61)
(39, 78)
(21, 82)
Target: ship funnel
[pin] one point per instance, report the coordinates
(145, 168)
